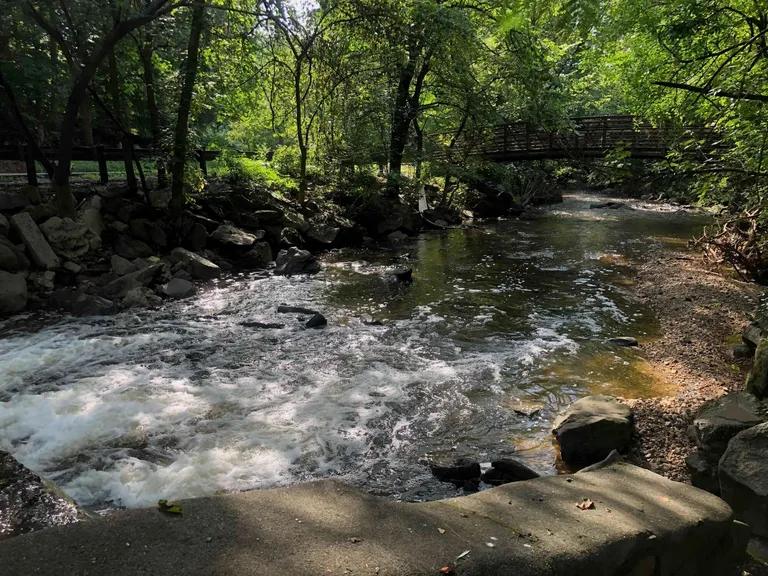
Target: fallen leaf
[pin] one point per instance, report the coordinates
(460, 556)
(464, 515)
(169, 508)
(441, 530)
(587, 504)
(446, 570)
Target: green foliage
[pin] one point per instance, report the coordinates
(244, 171)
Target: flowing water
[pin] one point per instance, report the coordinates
(503, 326)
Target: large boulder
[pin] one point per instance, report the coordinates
(591, 428)
(200, 267)
(37, 246)
(149, 232)
(506, 471)
(703, 472)
(230, 236)
(179, 288)
(295, 261)
(131, 248)
(160, 197)
(81, 304)
(122, 266)
(757, 380)
(29, 502)
(120, 287)
(13, 293)
(197, 237)
(140, 297)
(10, 201)
(259, 256)
(291, 237)
(743, 473)
(323, 234)
(721, 419)
(11, 258)
(68, 238)
(5, 226)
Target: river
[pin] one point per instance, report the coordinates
(504, 325)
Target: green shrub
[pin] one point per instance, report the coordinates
(247, 172)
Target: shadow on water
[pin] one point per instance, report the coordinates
(503, 326)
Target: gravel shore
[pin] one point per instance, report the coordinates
(701, 312)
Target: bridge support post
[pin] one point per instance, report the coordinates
(201, 160)
(29, 161)
(103, 172)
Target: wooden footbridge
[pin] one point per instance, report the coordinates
(587, 137)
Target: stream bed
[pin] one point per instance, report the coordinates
(504, 325)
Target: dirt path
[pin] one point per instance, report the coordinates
(700, 311)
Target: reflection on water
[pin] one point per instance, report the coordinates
(503, 326)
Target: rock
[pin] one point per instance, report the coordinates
(160, 197)
(140, 297)
(610, 205)
(37, 246)
(296, 261)
(296, 220)
(149, 232)
(90, 305)
(404, 276)
(291, 237)
(13, 294)
(323, 233)
(140, 263)
(257, 257)
(41, 212)
(703, 472)
(612, 458)
(11, 258)
(739, 350)
(757, 379)
(72, 267)
(33, 193)
(721, 419)
(228, 235)
(67, 237)
(286, 309)
(269, 217)
(244, 219)
(197, 237)
(122, 266)
(11, 201)
(200, 268)
(397, 236)
(91, 218)
(131, 248)
(5, 226)
(458, 473)
(591, 428)
(743, 474)
(262, 325)
(507, 471)
(317, 321)
(29, 502)
(119, 288)
(625, 341)
(178, 288)
(43, 280)
(389, 223)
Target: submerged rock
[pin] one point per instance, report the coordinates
(404, 276)
(286, 309)
(625, 341)
(591, 428)
(610, 205)
(262, 325)
(460, 473)
(29, 502)
(317, 321)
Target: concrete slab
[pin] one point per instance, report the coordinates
(641, 524)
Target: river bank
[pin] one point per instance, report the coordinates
(701, 311)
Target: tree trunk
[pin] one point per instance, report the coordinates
(86, 120)
(154, 111)
(117, 106)
(297, 93)
(401, 120)
(185, 104)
